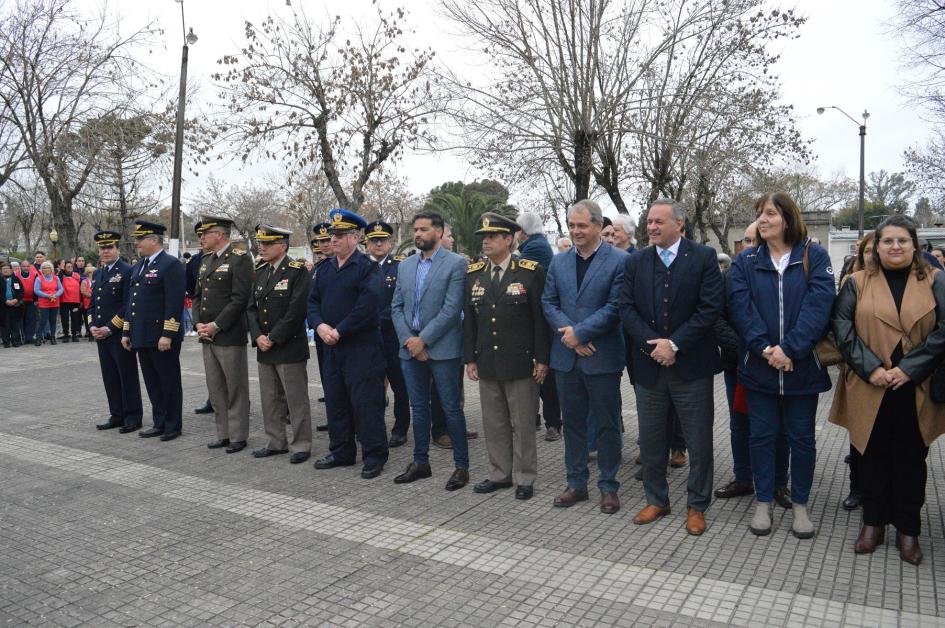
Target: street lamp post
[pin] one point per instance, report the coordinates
(862, 200)
(189, 39)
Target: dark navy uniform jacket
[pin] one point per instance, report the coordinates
(389, 268)
(156, 301)
(109, 297)
(349, 299)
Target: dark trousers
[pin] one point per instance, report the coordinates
(892, 469)
(161, 372)
(84, 314)
(581, 396)
(694, 405)
(29, 321)
(550, 406)
(354, 403)
(740, 432)
(120, 377)
(71, 318)
(794, 415)
(854, 470)
(395, 377)
(46, 322)
(10, 332)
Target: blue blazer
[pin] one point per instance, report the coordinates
(695, 303)
(156, 303)
(591, 310)
(109, 296)
(441, 305)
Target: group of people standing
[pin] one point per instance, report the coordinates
(513, 322)
(37, 295)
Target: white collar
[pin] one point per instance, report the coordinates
(674, 249)
(151, 258)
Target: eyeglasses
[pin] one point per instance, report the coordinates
(900, 242)
(748, 240)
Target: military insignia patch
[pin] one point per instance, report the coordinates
(295, 264)
(528, 264)
(239, 252)
(515, 289)
(282, 285)
(475, 266)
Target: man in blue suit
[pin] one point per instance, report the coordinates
(110, 288)
(152, 328)
(426, 309)
(580, 303)
(671, 298)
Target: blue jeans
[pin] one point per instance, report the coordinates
(741, 454)
(583, 395)
(46, 326)
(794, 415)
(442, 374)
(187, 320)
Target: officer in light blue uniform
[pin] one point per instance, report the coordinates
(106, 318)
(344, 310)
(152, 327)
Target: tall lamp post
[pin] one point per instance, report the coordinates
(189, 40)
(862, 125)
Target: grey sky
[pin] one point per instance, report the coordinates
(846, 56)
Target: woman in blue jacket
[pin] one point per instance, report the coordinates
(781, 297)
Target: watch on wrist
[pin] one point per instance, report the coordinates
(672, 345)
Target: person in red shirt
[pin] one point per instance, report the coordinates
(47, 290)
(85, 289)
(70, 314)
(28, 275)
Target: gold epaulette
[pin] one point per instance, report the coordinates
(475, 266)
(172, 325)
(238, 252)
(399, 258)
(528, 264)
(117, 321)
(296, 264)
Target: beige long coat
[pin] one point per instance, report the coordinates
(878, 324)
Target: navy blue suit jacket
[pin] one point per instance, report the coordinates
(109, 296)
(695, 303)
(156, 302)
(591, 310)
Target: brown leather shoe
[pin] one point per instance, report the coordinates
(443, 442)
(870, 537)
(650, 514)
(695, 522)
(570, 497)
(909, 549)
(609, 503)
(678, 459)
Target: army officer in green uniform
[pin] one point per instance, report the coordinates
(506, 349)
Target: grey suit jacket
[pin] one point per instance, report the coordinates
(441, 305)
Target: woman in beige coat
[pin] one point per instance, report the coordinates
(889, 322)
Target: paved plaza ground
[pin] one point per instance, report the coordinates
(103, 529)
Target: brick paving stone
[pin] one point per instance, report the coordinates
(102, 529)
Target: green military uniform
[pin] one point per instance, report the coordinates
(224, 285)
(277, 310)
(505, 335)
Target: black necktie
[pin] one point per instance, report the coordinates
(495, 276)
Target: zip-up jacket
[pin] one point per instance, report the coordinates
(792, 311)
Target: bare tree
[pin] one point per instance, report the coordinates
(26, 214)
(308, 201)
(921, 24)
(926, 166)
(304, 92)
(60, 72)
(246, 205)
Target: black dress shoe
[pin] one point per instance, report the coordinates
(127, 429)
(458, 480)
(151, 432)
(108, 425)
(206, 408)
(396, 440)
(783, 497)
(171, 436)
(488, 486)
(52, 341)
(853, 501)
(64, 339)
(524, 492)
(735, 489)
(299, 456)
(321, 428)
(236, 446)
(265, 452)
(330, 462)
(219, 444)
(369, 473)
(413, 473)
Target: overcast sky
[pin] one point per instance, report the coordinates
(846, 56)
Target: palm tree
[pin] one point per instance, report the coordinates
(463, 213)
